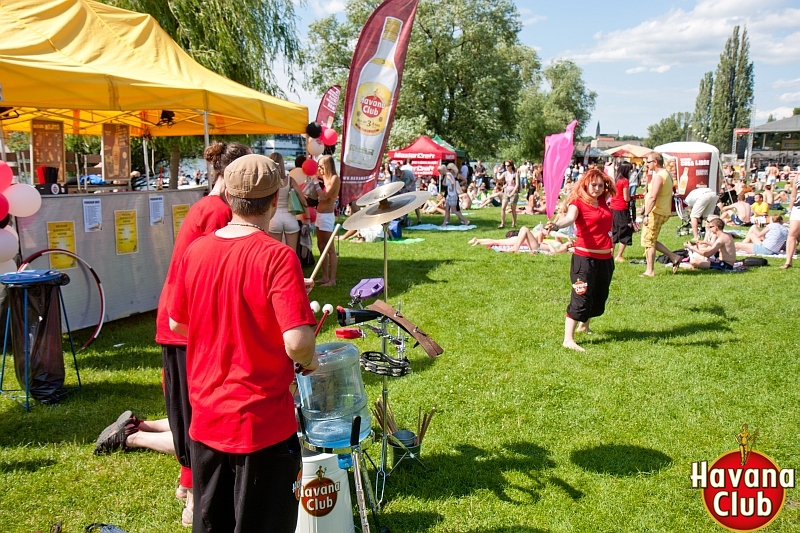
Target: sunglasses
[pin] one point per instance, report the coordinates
(652, 161)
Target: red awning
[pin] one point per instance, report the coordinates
(423, 149)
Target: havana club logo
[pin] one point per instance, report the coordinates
(743, 490)
(318, 496)
(371, 105)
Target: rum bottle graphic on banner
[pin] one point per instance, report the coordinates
(683, 181)
(373, 101)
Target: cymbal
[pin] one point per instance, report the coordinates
(387, 210)
(380, 193)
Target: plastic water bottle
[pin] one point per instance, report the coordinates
(332, 395)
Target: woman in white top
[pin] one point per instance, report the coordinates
(284, 225)
(794, 224)
(451, 200)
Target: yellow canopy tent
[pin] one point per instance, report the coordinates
(85, 64)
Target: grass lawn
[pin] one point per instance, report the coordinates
(529, 437)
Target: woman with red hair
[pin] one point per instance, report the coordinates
(593, 262)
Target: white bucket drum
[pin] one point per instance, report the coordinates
(325, 505)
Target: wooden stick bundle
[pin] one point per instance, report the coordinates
(423, 423)
(380, 413)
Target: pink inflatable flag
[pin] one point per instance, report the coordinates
(557, 155)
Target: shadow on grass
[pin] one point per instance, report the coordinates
(81, 415)
(25, 466)
(515, 473)
(126, 357)
(508, 529)
(400, 522)
(663, 335)
(716, 310)
(403, 274)
(620, 460)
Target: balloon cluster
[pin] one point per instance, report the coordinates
(321, 140)
(19, 200)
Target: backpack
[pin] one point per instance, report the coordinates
(104, 528)
(750, 262)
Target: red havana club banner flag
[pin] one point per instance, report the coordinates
(371, 96)
(328, 105)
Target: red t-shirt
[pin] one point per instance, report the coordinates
(237, 297)
(618, 202)
(206, 216)
(593, 228)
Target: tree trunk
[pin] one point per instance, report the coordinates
(174, 165)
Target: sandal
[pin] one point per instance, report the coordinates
(676, 265)
(501, 226)
(187, 517)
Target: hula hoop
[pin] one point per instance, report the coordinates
(100, 289)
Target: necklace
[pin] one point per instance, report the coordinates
(247, 224)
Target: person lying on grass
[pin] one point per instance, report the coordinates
(769, 240)
(534, 240)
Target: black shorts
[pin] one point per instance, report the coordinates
(721, 265)
(591, 279)
(621, 231)
(246, 491)
(176, 396)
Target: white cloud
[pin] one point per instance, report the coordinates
(533, 20)
(785, 84)
(661, 69)
(325, 8)
(698, 36)
(790, 98)
(777, 113)
(636, 70)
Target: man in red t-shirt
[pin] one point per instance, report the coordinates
(241, 302)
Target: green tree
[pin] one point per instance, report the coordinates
(732, 99)
(675, 127)
(770, 118)
(701, 120)
(541, 113)
(464, 69)
(796, 111)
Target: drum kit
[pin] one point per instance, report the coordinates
(335, 398)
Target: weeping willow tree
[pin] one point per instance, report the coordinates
(241, 40)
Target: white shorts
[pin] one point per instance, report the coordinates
(795, 214)
(704, 206)
(326, 221)
(283, 222)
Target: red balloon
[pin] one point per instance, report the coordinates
(329, 137)
(3, 206)
(310, 167)
(6, 175)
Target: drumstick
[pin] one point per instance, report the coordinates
(326, 310)
(325, 251)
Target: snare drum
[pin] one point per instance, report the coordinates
(332, 395)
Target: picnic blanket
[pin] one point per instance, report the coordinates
(436, 227)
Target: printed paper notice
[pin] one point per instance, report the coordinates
(127, 238)
(156, 210)
(92, 215)
(61, 235)
(178, 214)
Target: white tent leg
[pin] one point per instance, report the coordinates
(207, 142)
(3, 144)
(146, 164)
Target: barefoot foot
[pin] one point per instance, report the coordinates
(584, 329)
(573, 346)
(785, 266)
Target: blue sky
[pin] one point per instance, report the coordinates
(645, 59)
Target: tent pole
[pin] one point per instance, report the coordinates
(206, 141)
(146, 163)
(3, 144)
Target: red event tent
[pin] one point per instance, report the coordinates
(425, 156)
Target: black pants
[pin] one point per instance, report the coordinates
(591, 279)
(176, 396)
(246, 493)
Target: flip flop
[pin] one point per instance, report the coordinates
(676, 265)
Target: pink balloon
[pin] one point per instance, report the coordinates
(6, 175)
(3, 206)
(310, 167)
(329, 137)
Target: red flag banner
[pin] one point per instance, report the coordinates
(371, 96)
(327, 106)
